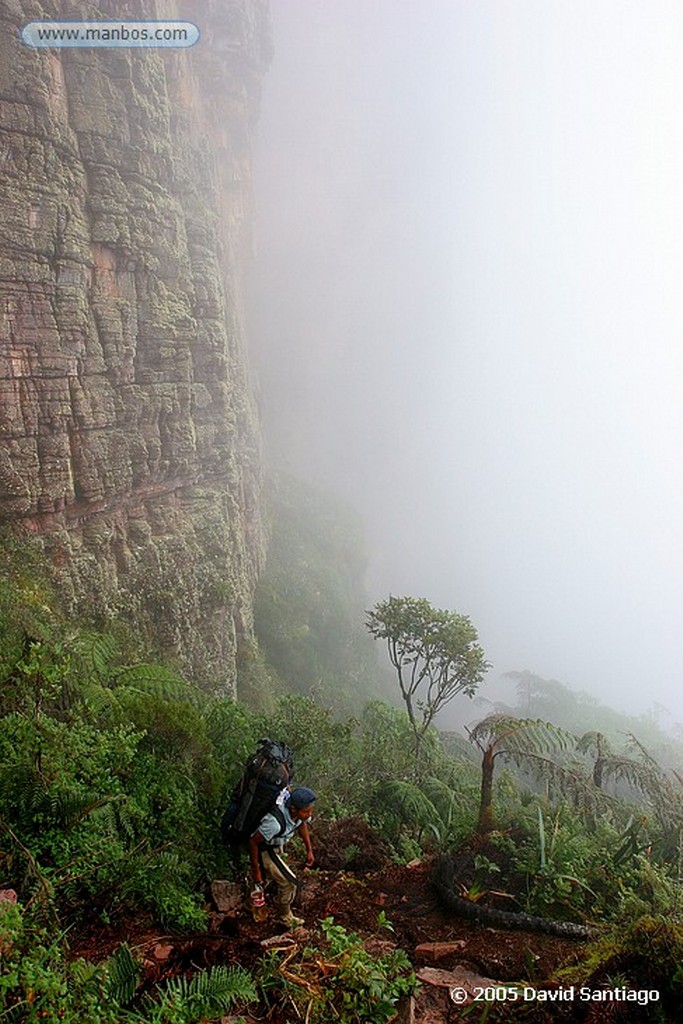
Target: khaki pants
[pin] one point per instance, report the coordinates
(277, 869)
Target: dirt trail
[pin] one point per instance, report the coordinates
(355, 895)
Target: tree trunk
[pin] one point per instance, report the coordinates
(485, 821)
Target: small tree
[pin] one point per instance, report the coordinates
(524, 741)
(435, 654)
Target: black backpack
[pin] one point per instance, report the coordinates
(266, 773)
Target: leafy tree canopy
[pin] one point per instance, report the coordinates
(435, 654)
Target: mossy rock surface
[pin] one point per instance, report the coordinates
(129, 436)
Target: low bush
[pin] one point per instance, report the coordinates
(338, 978)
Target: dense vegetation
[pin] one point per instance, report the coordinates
(114, 773)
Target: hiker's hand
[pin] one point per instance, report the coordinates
(310, 859)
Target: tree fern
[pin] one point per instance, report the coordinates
(522, 740)
(638, 769)
(508, 734)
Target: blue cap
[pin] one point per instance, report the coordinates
(301, 797)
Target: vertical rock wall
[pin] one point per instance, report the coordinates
(128, 437)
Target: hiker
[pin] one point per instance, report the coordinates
(266, 845)
(267, 775)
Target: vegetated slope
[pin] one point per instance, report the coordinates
(392, 907)
(114, 774)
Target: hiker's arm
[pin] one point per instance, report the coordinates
(254, 857)
(306, 836)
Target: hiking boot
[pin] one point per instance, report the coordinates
(291, 921)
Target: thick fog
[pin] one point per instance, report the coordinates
(466, 306)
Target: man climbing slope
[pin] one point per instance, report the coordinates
(266, 848)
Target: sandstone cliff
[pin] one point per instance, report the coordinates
(129, 442)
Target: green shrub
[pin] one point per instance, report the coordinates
(603, 874)
(37, 983)
(356, 985)
(645, 954)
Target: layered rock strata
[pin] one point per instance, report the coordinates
(129, 442)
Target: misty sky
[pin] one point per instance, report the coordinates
(466, 308)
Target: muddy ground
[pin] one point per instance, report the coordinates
(354, 881)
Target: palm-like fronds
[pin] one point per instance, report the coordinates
(123, 975)
(114, 815)
(664, 791)
(33, 804)
(94, 654)
(447, 803)
(506, 734)
(157, 681)
(65, 809)
(637, 769)
(206, 994)
(22, 791)
(409, 803)
(565, 781)
(429, 805)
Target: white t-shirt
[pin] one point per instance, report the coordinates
(270, 827)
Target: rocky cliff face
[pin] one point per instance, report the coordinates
(128, 436)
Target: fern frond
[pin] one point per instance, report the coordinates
(594, 742)
(66, 809)
(82, 971)
(443, 798)
(112, 813)
(23, 793)
(643, 776)
(509, 734)
(168, 860)
(207, 993)
(29, 799)
(123, 975)
(537, 736)
(99, 700)
(95, 654)
(106, 815)
(409, 803)
(157, 681)
(565, 781)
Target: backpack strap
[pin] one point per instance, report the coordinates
(280, 818)
(282, 867)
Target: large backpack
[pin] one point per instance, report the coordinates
(267, 772)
